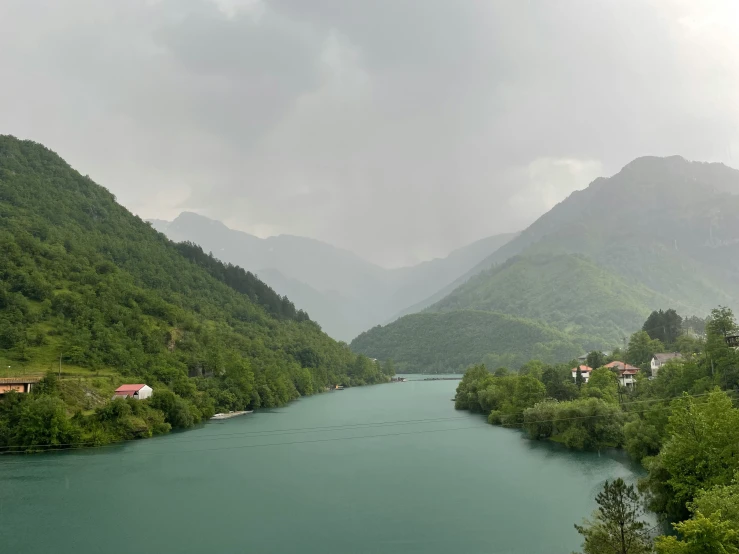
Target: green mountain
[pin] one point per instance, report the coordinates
(663, 232)
(568, 291)
(344, 293)
(451, 341)
(83, 279)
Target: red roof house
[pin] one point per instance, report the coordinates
(584, 369)
(139, 392)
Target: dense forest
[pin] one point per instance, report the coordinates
(682, 425)
(86, 285)
(451, 341)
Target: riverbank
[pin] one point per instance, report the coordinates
(384, 455)
(77, 416)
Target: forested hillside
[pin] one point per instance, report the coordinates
(83, 279)
(569, 291)
(451, 341)
(662, 232)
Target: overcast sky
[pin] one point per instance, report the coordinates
(399, 129)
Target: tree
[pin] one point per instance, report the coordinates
(389, 368)
(713, 527)
(641, 348)
(702, 452)
(579, 379)
(695, 325)
(722, 322)
(603, 384)
(616, 527)
(723, 360)
(596, 359)
(663, 326)
(701, 535)
(532, 368)
(558, 382)
(502, 372)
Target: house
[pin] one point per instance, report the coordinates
(658, 360)
(139, 392)
(585, 370)
(22, 385)
(733, 341)
(626, 373)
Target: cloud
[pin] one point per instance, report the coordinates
(395, 128)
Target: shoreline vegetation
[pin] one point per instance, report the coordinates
(88, 286)
(681, 424)
(41, 421)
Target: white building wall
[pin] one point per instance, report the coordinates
(145, 392)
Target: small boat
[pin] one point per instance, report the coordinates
(229, 415)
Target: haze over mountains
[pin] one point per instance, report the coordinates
(663, 232)
(342, 292)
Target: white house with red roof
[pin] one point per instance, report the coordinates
(139, 392)
(626, 373)
(584, 370)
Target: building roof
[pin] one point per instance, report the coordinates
(583, 369)
(129, 388)
(19, 380)
(662, 357)
(621, 365)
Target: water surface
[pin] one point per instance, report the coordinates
(385, 469)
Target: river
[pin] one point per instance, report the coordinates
(384, 469)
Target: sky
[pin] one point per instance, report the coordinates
(399, 129)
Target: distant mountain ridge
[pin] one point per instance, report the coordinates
(342, 292)
(662, 232)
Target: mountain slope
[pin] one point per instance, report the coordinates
(663, 232)
(319, 265)
(667, 222)
(568, 291)
(451, 341)
(424, 282)
(344, 293)
(84, 279)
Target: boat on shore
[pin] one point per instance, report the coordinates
(229, 415)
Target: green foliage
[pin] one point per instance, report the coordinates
(43, 420)
(641, 348)
(694, 325)
(664, 326)
(713, 526)
(596, 359)
(603, 384)
(83, 278)
(702, 451)
(443, 342)
(502, 398)
(558, 381)
(582, 424)
(616, 527)
(644, 434)
(568, 291)
(724, 360)
(701, 535)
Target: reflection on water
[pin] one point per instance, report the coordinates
(390, 468)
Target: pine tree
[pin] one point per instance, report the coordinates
(616, 527)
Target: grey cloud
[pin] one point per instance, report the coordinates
(397, 128)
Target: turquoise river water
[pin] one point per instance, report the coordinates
(384, 469)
